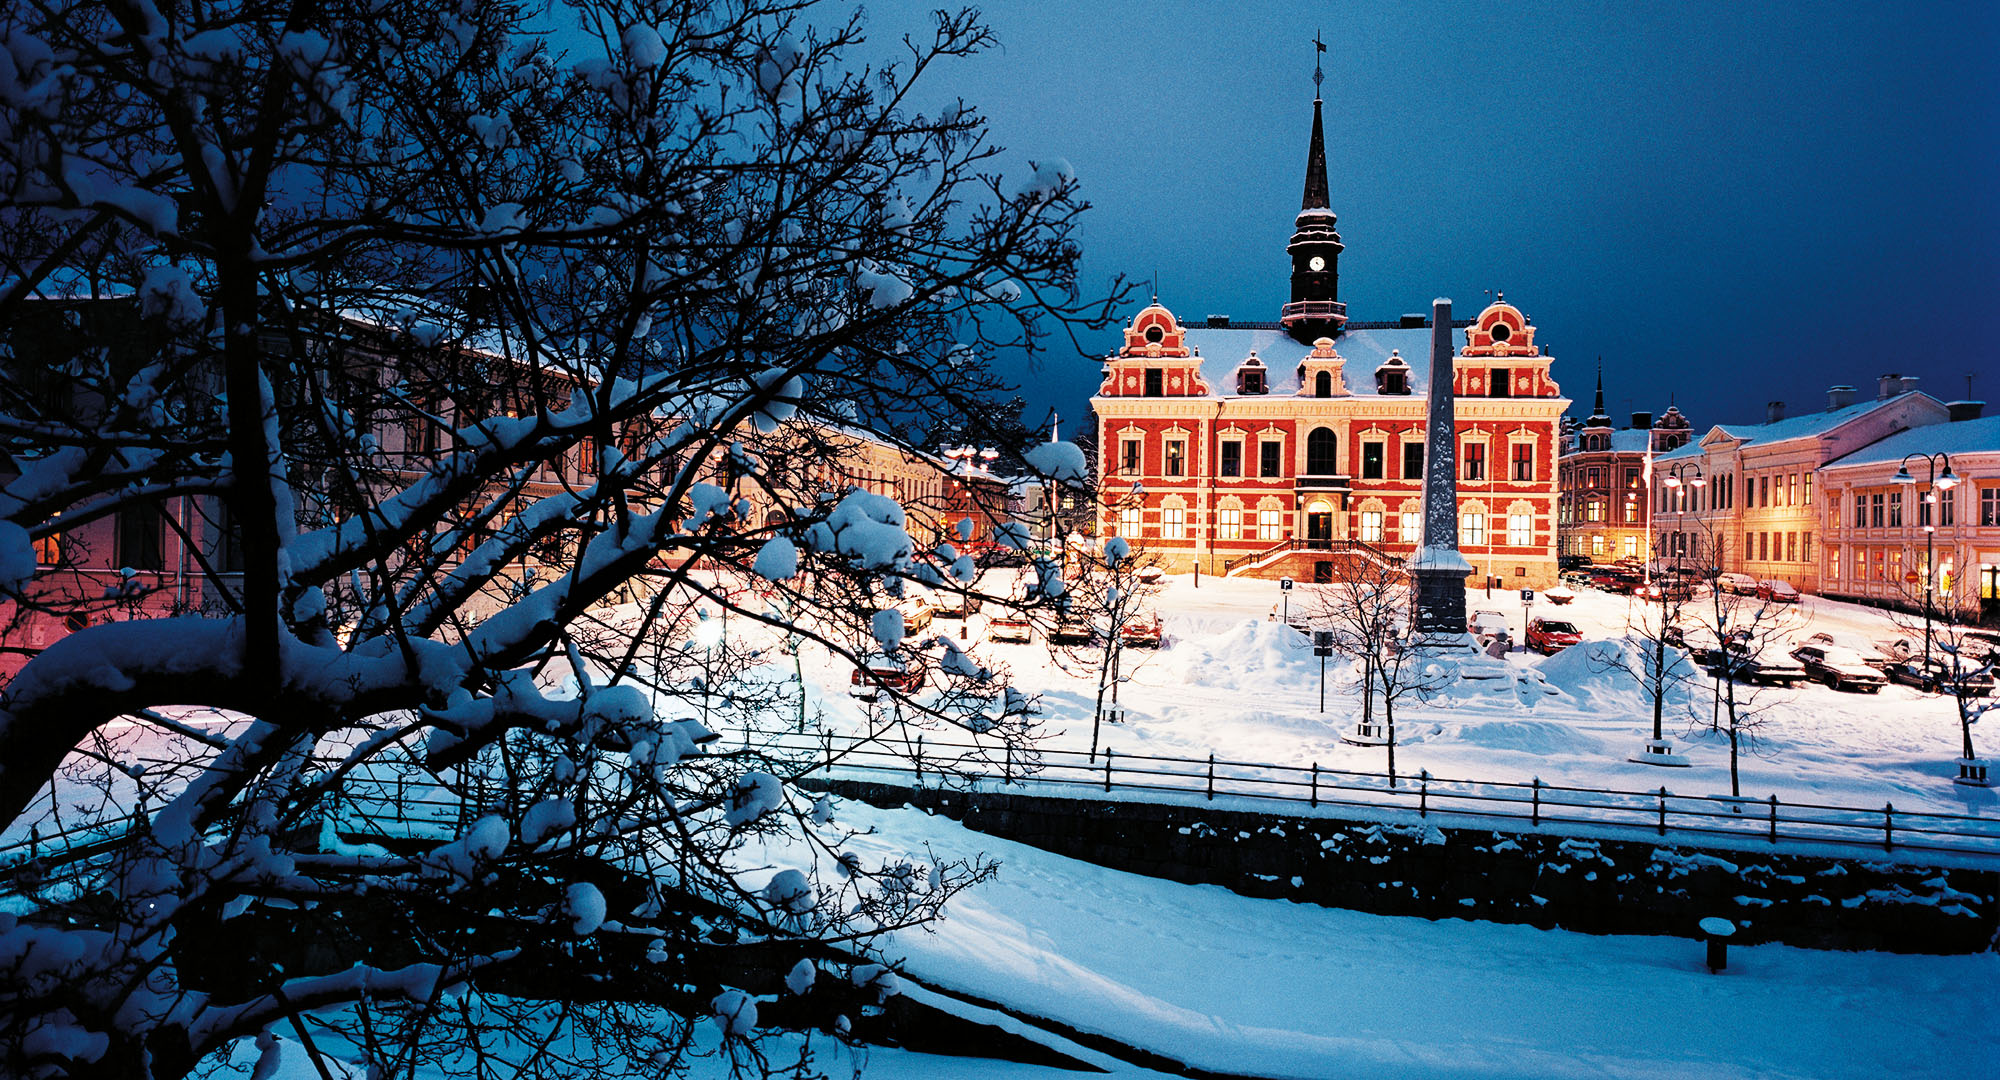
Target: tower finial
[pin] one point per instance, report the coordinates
(1319, 47)
(1597, 417)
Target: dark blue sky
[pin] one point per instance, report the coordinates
(1728, 204)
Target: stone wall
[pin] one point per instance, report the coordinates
(1537, 878)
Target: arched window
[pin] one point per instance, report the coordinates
(1320, 459)
(1323, 384)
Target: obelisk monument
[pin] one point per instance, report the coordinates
(1437, 570)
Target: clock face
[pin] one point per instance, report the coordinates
(1316, 263)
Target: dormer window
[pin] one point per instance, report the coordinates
(1323, 384)
(1250, 380)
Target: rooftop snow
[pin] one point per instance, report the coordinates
(1963, 437)
(1799, 427)
(1223, 348)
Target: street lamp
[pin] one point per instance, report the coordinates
(1675, 480)
(1944, 481)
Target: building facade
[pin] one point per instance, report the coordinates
(1887, 542)
(1268, 448)
(1603, 510)
(1758, 508)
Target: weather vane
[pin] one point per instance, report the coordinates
(1318, 47)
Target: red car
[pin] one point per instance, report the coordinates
(885, 673)
(1141, 629)
(1550, 636)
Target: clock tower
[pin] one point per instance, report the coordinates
(1315, 311)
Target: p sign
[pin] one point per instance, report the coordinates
(1285, 584)
(1527, 596)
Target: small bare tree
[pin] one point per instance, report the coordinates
(1655, 624)
(1742, 630)
(1367, 607)
(1954, 657)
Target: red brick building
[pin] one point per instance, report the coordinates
(1269, 448)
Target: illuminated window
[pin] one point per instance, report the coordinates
(1270, 524)
(1631, 545)
(1411, 525)
(1173, 523)
(1229, 523)
(1520, 530)
(1176, 457)
(1472, 529)
(1475, 460)
(1597, 544)
(1371, 526)
(1128, 521)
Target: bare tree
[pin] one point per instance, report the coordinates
(1743, 639)
(1952, 656)
(436, 330)
(1108, 590)
(1656, 621)
(1367, 608)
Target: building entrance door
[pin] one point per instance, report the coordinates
(1319, 529)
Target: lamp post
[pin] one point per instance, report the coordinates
(1937, 482)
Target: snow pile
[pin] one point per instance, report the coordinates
(17, 558)
(789, 892)
(867, 528)
(735, 1013)
(888, 625)
(1051, 178)
(1604, 675)
(585, 907)
(1059, 461)
(777, 560)
(755, 794)
(1250, 657)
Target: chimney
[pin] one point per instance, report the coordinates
(1774, 411)
(1642, 421)
(1839, 397)
(1220, 322)
(1413, 322)
(1888, 386)
(1965, 410)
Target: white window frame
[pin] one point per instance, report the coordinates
(1520, 530)
(1472, 528)
(1229, 523)
(1371, 526)
(1270, 524)
(1173, 523)
(1131, 520)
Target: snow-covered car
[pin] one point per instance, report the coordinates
(1854, 645)
(881, 672)
(1551, 636)
(917, 613)
(1981, 646)
(1766, 665)
(1841, 669)
(1010, 626)
(1741, 584)
(1072, 630)
(1935, 677)
(1486, 625)
(1777, 592)
(954, 604)
(1142, 629)
(1150, 575)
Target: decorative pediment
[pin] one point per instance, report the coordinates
(1500, 330)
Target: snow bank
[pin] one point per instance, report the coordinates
(1250, 657)
(1604, 675)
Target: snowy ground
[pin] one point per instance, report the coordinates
(1234, 683)
(1274, 989)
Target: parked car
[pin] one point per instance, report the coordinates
(1615, 579)
(1572, 562)
(1010, 626)
(1575, 578)
(1832, 641)
(1980, 645)
(1935, 677)
(1777, 592)
(883, 672)
(917, 613)
(1766, 664)
(1142, 629)
(1072, 630)
(1550, 636)
(1839, 668)
(1740, 584)
(954, 604)
(1486, 625)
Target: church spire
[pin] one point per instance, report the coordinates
(1597, 417)
(1316, 196)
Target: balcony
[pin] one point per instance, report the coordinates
(1313, 311)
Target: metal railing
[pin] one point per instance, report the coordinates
(1286, 547)
(1687, 818)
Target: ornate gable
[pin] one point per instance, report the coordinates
(1155, 360)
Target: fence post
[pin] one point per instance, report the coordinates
(1535, 812)
(920, 760)
(1424, 793)
(1007, 769)
(826, 741)
(1211, 776)
(1107, 768)
(1663, 809)
(1888, 826)
(1315, 787)
(1774, 817)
